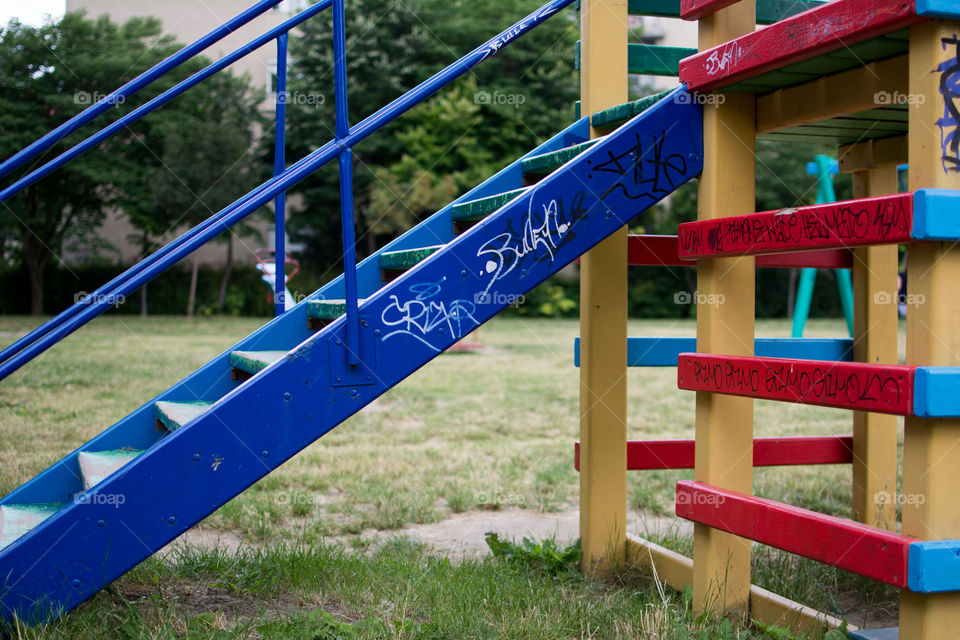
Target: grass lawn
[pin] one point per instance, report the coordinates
(468, 432)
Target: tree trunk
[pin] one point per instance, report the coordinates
(35, 258)
(145, 246)
(225, 281)
(192, 298)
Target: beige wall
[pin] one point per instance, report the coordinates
(188, 20)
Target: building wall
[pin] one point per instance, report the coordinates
(188, 20)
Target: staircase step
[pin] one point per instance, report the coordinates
(393, 263)
(547, 162)
(97, 465)
(173, 415)
(17, 519)
(251, 362)
(320, 313)
(615, 116)
(479, 209)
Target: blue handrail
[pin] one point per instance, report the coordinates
(134, 278)
(104, 291)
(132, 87)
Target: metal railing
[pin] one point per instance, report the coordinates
(345, 137)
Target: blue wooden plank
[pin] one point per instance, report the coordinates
(933, 566)
(60, 482)
(663, 352)
(947, 9)
(935, 214)
(259, 425)
(936, 392)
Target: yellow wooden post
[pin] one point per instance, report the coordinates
(724, 424)
(875, 340)
(931, 451)
(603, 315)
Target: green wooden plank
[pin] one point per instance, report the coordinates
(768, 11)
(649, 59)
(406, 258)
(547, 162)
(609, 118)
(482, 207)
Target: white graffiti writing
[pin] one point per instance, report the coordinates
(422, 316)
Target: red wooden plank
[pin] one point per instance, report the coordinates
(846, 385)
(645, 455)
(868, 221)
(806, 35)
(662, 251)
(696, 9)
(868, 551)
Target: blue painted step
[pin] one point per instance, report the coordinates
(173, 415)
(249, 363)
(97, 466)
(320, 313)
(479, 209)
(18, 519)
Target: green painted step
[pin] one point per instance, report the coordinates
(548, 162)
(254, 361)
(768, 11)
(97, 465)
(17, 519)
(174, 415)
(327, 309)
(890, 633)
(479, 209)
(399, 260)
(615, 116)
(650, 59)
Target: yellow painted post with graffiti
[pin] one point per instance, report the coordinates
(875, 341)
(724, 424)
(603, 315)
(931, 451)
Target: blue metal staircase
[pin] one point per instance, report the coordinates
(128, 492)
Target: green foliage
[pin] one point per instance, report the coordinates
(173, 167)
(545, 556)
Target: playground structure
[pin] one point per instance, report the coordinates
(809, 74)
(842, 72)
(268, 273)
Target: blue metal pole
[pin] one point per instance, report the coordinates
(161, 100)
(130, 88)
(279, 164)
(146, 270)
(342, 132)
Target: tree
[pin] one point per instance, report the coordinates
(417, 164)
(50, 73)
